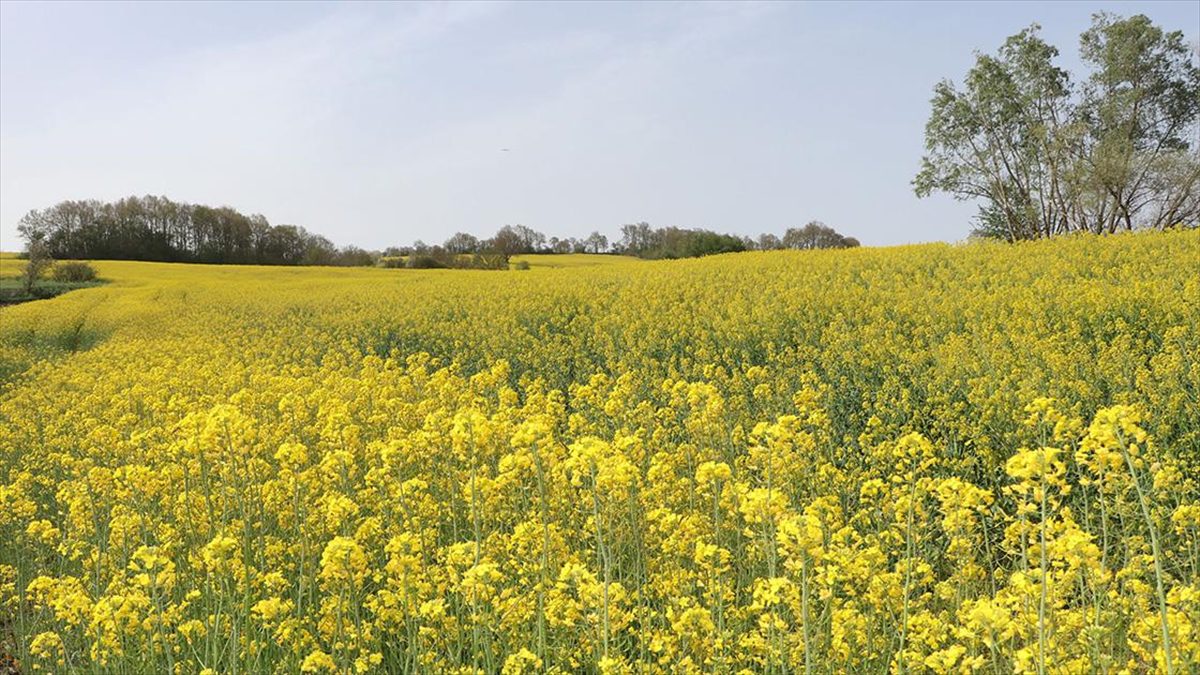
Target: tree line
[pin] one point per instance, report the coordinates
(637, 239)
(641, 240)
(1045, 154)
(159, 229)
(155, 228)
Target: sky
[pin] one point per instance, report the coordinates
(377, 124)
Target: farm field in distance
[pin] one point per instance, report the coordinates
(930, 458)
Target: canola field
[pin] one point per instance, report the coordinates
(923, 459)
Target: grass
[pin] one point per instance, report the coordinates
(12, 291)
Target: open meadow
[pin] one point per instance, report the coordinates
(935, 458)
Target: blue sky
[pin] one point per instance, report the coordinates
(377, 124)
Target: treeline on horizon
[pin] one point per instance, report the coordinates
(158, 229)
(638, 239)
(154, 228)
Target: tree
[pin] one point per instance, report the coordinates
(637, 238)
(507, 242)
(532, 241)
(597, 243)
(39, 261)
(560, 245)
(1141, 108)
(816, 234)
(1044, 157)
(353, 256)
(284, 245)
(998, 138)
(318, 251)
(769, 242)
(155, 228)
(461, 242)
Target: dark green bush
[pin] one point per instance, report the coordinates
(73, 271)
(424, 262)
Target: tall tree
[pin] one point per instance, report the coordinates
(1141, 106)
(637, 238)
(461, 242)
(1045, 157)
(998, 138)
(816, 234)
(507, 241)
(769, 242)
(597, 243)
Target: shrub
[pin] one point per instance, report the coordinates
(521, 265)
(424, 262)
(73, 272)
(489, 261)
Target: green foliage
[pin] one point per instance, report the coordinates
(675, 242)
(73, 271)
(13, 291)
(425, 262)
(158, 229)
(672, 242)
(1047, 157)
(816, 235)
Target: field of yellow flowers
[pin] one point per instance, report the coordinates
(936, 458)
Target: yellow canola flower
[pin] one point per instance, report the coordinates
(219, 553)
(342, 562)
(318, 662)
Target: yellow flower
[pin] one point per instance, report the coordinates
(343, 562)
(292, 455)
(47, 647)
(152, 569)
(521, 661)
(318, 662)
(43, 531)
(713, 472)
(270, 609)
(219, 553)
(945, 660)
